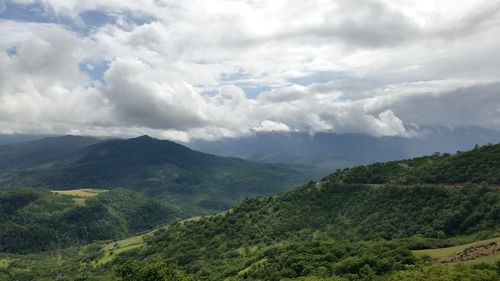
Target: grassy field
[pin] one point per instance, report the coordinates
(114, 248)
(4, 263)
(442, 254)
(117, 247)
(80, 195)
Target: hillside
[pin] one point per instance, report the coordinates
(327, 226)
(480, 165)
(487, 251)
(38, 220)
(317, 232)
(196, 181)
(325, 229)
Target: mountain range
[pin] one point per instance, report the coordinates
(319, 154)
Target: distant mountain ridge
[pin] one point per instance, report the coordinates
(330, 151)
(16, 138)
(29, 153)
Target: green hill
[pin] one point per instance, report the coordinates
(38, 220)
(325, 230)
(195, 181)
(480, 165)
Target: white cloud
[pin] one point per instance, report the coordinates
(183, 72)
(271, 126)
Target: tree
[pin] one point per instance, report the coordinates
(155, 270)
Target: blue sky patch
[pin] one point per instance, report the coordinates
(95, 70)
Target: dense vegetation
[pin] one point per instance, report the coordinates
(194, 181)
(480, 165)
(37, 220)
(325, 230)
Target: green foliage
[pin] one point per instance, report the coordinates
(446, 273)
(318, 232)
(321, 229)
(155, 270)
(481, 165)
(36, 220)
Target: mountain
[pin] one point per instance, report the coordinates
(324, 152)
(196, 181)
(15, 138)
(30, 153)
(325, 230)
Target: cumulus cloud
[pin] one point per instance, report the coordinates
(184, 69)
(138, 96)
(272, 126)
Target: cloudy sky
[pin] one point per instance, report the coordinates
(214, 68)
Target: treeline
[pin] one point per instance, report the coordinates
(480, 165)
(36, 220)
(324, 230)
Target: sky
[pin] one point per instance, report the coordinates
(210, 69)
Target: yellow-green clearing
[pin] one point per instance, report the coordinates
(4, 263)
(80, 195)
(82, 192)
(484, 251)
(114, 248)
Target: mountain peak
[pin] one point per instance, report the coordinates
(145, 137)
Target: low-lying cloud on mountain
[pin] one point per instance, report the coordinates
(212, 69)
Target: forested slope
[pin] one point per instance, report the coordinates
(37, 220)
(480, 165)
(325, 230)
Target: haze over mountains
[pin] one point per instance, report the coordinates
(329, 151)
